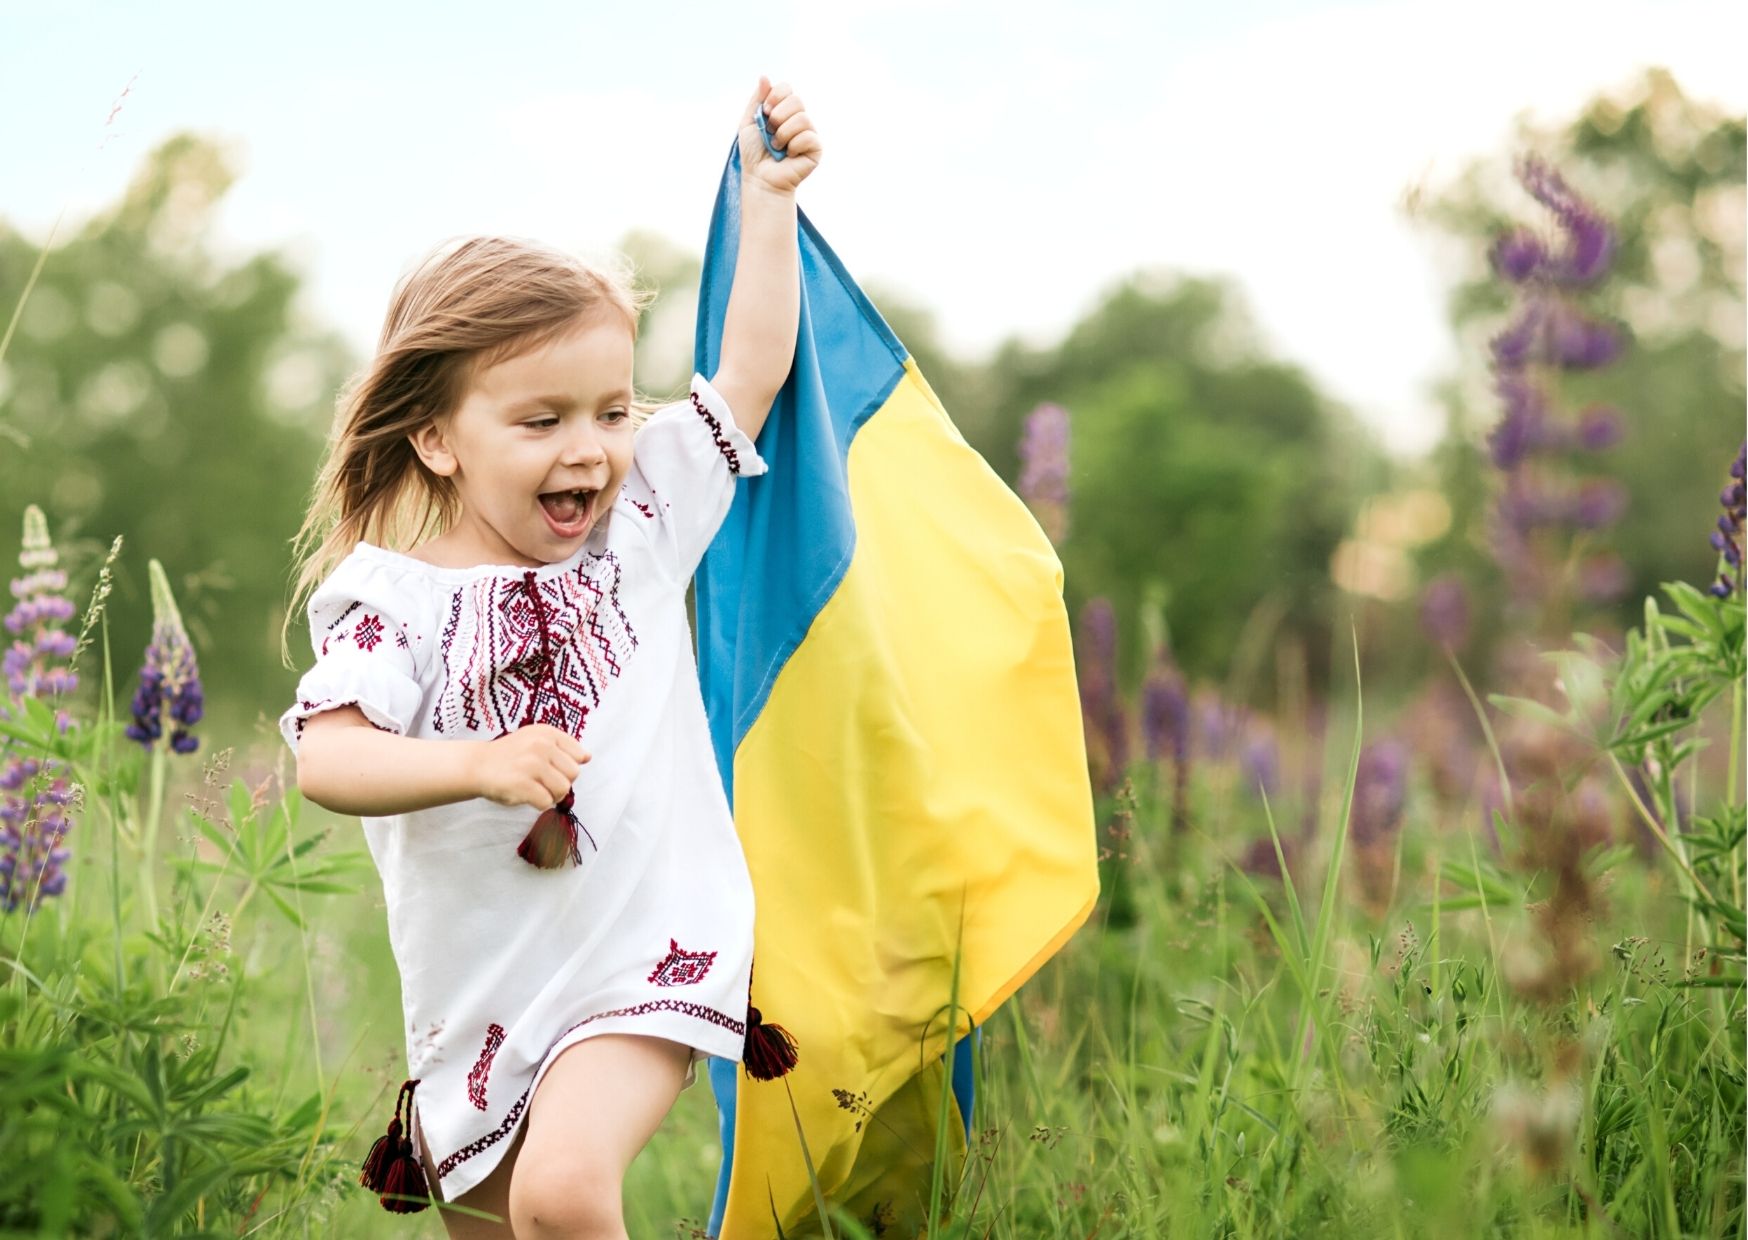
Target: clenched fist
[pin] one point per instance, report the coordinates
(533, 766)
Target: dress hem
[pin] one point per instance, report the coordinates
(722, 1037)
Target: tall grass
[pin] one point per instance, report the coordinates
(197, 1038)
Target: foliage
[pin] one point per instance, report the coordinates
(1669, 172)
(142, 1097)
(1219, 478)
(155, 390)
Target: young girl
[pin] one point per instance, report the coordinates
(505, 691)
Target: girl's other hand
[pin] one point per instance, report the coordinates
(792, 132)
(533, 766)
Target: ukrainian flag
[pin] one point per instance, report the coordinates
(886, 662)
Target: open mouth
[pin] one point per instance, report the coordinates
(569, 513)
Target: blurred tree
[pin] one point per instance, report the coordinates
(664, 334)
(1204, 474)
(157, 391)
(1669, 172)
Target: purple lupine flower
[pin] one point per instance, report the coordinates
(34, 817)
(1101, 708)
(1521, 430)
(1525, 504)
(1380, 789)
(1444, 610)
(1589, 237)
(169, 677)
(1165, 723)
(1599, 428)
(1576, 341)
(35, 619)
(1259, 764)
(1727, 538)
(1165, 712)
(33, 824)
(1515, 347)
(1518, 254)
(1217, 725)
(1044, 468)
(1598, 503)
(1550, 332)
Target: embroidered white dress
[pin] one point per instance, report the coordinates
(502, 964)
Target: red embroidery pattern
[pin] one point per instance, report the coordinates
(484, 1143)
(494, 658)
(642, 507)
(334, 628)
(368, 633)
(476, 1079)
(698, 1010)
(682, 968)
(722, 444)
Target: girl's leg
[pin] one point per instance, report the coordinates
(597, 1106)
(491, 1196)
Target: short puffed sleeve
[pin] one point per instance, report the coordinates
(686, 461)
(367, 625)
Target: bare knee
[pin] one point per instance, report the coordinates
(579, 1200)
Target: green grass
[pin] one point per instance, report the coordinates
(1374, 1049)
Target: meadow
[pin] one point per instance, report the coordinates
(1384, 1016)
(1422, 905)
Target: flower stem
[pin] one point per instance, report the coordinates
(1730, 782)
(149, 836)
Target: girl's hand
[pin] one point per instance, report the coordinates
(533, 766)
(792, 132)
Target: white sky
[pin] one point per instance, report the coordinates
(997, 163)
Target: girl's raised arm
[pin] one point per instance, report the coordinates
(764, 304)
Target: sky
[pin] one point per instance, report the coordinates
(997, 164)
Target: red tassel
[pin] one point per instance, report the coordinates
(390, 1169)
(375, 1173)
(405, 1191)
(770, 1051)
(552, 840)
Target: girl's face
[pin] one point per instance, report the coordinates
(538, 446)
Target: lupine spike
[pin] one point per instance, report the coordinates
(1550, 331)
(1726, 540)
(1043, 482)
(34, 795)
(169, 675)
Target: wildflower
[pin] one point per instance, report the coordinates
(169, 677)
(1380, 787)
(1444, 610)
(1517, 255)
(1165, 723)
(1106, 729)
(33, 823)
(1044, 468)
(34, 796)
(1575, 341)
(1727, 538)
(1165, 712)
(1589, 237)
(1598, 503)
(1550, 332)
(1217, 724)
(1522, 429)
(1260, 763)
(1599, 428)
(35, 619)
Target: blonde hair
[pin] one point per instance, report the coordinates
(468, 304)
